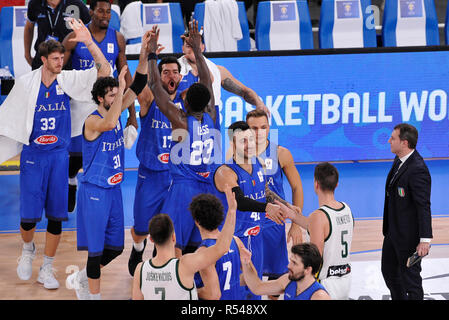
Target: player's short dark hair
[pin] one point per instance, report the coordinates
(161, 228)
(93, 3)
(327, 176)
(256, 113)
(310, 255)
(198, 96)
(101, 86)
(168, 60)
(409, 133)
(207, 211)
(48, 47)
(238, 125)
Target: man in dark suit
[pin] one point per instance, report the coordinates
(407, 222)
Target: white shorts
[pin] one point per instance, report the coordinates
(338, 287)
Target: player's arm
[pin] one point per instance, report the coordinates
(226, 176)
(318, 229)
(161, 96)
(95, 125)
(121, 62)
(28, 34)
(194, 40)
(294, 179)
(211, 289)
(136, 293)
(193, 262)
(69, 46)
(320, 295)
(231, 84)
(254, 283)
(83, 35)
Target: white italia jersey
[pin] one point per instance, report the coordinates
(335, 271)
(162, 283)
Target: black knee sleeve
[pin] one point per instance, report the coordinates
(54, 227)
(109, 255)
(93, 267)
(75, 164)
(27, 226)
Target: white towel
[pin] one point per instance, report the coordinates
(17, 111)
(222, 27)
(130, 21)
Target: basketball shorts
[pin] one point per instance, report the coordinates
(177, 204)
(99, 219)
(338, 287)
(275, 254)
(43, 185)
(255, 245)
(151, 191)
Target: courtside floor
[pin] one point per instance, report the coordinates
(357, 189)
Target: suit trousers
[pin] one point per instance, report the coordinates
(404, 283)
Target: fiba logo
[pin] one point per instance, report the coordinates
(157, 13)
(348, 7)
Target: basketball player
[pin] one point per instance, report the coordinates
(100, 219)
(298, 284)
(153, 150)
(166, 277)
(245, 175)
(112, 44)
(193, 142)
(278, 162)
(330, 228)
(44, 161)
(219, 281)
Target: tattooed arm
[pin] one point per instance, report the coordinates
(231, 84)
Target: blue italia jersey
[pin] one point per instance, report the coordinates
(274, 173)
(191, 159)
(103, 158)
(51, 124)
(252, 186)
(228, 271)
(290, 291)
(186, 81)
(82, 59)
(153, 145)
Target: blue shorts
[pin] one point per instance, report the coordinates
(255, 245)
(76, 144)
(151, 191)
(177, 204)
(99, 219)
(275, 254)
(43, 185)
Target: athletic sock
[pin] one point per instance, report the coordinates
(28, 246)
(138, 246)
(48, 260)
(95, 296)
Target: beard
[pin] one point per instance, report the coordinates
(297, 277)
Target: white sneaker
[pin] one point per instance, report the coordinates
(25, 267)
(81, 288)
(47, 278)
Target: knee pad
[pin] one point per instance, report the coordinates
(54, 227)
(93, 267)
(109, 255)
(27, 226)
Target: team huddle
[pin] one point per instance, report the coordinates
(217, 225)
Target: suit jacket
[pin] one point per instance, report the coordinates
(407, 216)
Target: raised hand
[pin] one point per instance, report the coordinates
(194, 38)
(273, 213)
(82, 34)
(245, 255)
(230, 197)
(153, 39)
(121, 78)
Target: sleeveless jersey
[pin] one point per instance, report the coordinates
(252, 186)
(52, 122)
(153, 145)
(228, 271)
(162, 283)
(103, 158)
(290, 291)
(337, 245)
(82, 59)
(274, 174)
(191, 159)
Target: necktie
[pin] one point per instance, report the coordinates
(395, 170)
